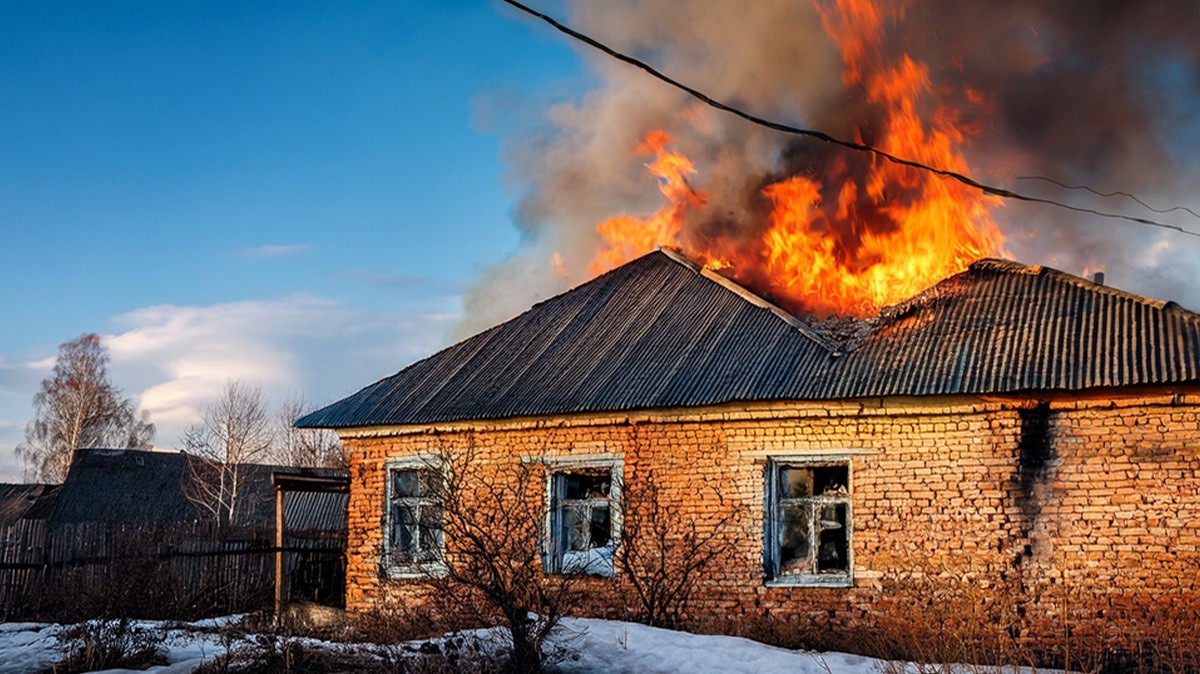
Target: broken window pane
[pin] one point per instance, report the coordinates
(405, 483)
(828, 480)
(600, 532)
(403, 530)
(587, 485)
(576, 525)
(811, 525)
(833, 554)
(795, 546)
(795, 482)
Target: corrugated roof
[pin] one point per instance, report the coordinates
(307, 511)
(661, 332)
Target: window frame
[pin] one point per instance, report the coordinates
(420, 568)
(773, 503)
(553, 547)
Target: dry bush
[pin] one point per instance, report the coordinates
(1092, 628)
(936, 617)
(799, 633)
(666, 550)
(491, 572)
(465, 653)
(390, 620)
(279, 654)
(108, 644)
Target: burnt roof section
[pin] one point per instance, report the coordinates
(1004, 327)
(660, 332)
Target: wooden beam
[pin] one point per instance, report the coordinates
(278, 552)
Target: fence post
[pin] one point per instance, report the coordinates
(278, 552)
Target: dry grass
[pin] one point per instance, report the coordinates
(107, 644)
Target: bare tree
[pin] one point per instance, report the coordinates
(491, 516)
(236, 431)
(304, 447)
(78, 406)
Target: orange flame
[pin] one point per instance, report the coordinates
(629, 237)
(864, 234)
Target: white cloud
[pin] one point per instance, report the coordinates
(174, 359)
(178, 358)
(273, 250)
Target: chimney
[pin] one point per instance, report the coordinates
(1098, 278)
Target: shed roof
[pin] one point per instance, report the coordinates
(127, 486)
(26, 502)
(661, 332)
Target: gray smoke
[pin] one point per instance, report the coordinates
(1099, 93)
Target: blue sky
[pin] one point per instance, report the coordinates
(305, 196)
(252, 190)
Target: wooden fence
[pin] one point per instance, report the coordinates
(177, 570)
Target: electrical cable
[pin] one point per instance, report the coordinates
(1110, 195)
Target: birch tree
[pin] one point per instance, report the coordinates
(304, 447)
(236, 430)
(78, 406)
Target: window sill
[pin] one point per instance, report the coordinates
(594, 573)
(825, 580)
(416, 571)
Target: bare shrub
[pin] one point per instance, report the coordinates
(935, 617)
(276, 653)
(1094, 628)
(453, 654)
(389, 620)
(108, 644)
(491, 571)
(666, 553)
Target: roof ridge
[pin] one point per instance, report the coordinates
(1014, 267)
(753, 298)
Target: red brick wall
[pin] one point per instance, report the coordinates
(1108, 520)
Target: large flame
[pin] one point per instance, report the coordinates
(853, 233)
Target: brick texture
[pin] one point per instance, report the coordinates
(1092, 508)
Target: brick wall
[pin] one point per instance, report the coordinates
(1083, 506)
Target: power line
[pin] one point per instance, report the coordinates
(826, 138)
(1109, 195)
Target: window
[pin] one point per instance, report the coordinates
(413, 542)
(584, 519)
(808, 524)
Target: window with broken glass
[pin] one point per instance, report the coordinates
(414, 540)
(808, 523)
(583, 521)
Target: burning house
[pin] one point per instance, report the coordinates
(839, 374)
(1023, 430)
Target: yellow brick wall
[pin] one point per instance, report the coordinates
(1111, 523)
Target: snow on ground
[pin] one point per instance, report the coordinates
(597, 647)
(619, 647)
(27, 646)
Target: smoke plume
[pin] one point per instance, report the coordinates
(1083, 92)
